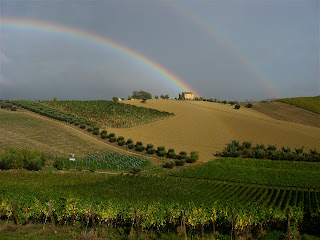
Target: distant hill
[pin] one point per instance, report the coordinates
(308, 103)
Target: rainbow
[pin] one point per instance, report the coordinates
(227, 44)
(70, 31)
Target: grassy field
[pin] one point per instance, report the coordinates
(25, 130)
(308, 103)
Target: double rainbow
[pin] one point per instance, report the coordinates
(70, 31)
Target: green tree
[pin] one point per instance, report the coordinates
(115, 99)
(164, 96)
(141, 94)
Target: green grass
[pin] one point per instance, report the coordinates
(308, 103)
(270, 172)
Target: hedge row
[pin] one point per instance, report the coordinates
(245, 150)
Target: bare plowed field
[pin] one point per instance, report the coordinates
(290, 113)
(207, 127)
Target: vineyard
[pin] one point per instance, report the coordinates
(308, 103)
(108, 113)
(157, 200)
(106, 160)
(261, 171)
(46, 111)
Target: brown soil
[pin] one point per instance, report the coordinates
(207, 127)
(286, 112)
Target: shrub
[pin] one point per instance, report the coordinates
(140, 148)
(162, 153)
(33, 164)
(104, 134)
(260, 153)
(82, 126)
(151, 150)
(246, 145)
(112, 139)
(112, 135)
(194, 156)
(5, 162)
(58, 163)
(171, 153)
(237, 106)
(136, 170)
(130, 145)
(182, 155)
(76, 123)
(129, 141)
(121, 142)
(180, 162)
(93, 167)
(139, 143)
(299, 150)
(90, 129)
(96, 132)
(96, 129)
(120, 139)
(271, 148)
(286, 150)
(249, 105)
(149, 145)
(161, 148)
(169, 165)
(13, 108)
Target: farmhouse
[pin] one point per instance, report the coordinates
(186, 95)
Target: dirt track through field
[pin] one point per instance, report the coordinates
(207, 127)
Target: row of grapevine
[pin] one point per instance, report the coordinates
(112, 198)
(105, 160)
(152, 215)
(50, 112)
(108, 113)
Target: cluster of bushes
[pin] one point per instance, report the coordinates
(22, 158)
(181, 159)
(245, 150)
(7, 105)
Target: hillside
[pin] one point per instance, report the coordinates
(308, 103)
(287, 112)
(26, 130)
(207, 127)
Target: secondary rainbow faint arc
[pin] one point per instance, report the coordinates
(227, 44)
(52, 27)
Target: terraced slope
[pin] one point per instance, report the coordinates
(286, 112)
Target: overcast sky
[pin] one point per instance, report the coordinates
(229, 50)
